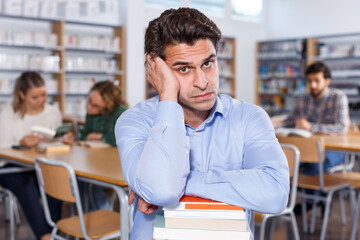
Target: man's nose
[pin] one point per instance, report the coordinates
(200, 80)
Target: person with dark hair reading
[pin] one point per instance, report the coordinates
(191, 140)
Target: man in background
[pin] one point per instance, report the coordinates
(324, 110)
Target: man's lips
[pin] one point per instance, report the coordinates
(203, 96)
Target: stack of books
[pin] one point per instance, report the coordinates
(199, 218)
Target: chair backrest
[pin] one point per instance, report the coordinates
(293, 156)
(312, 150)
(58, 180)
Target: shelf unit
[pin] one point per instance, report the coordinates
(104, 56)
(279, 78)
(340, 52)
(226, 63)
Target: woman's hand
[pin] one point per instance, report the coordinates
(94, 137)
(68, 138)
(30, 140)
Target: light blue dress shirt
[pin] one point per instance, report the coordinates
(233, 157)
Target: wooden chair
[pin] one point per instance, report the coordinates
(312, 150)
(292, 155)
(57, 179)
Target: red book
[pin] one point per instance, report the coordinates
(198, 203)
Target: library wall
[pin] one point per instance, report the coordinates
(287, 19)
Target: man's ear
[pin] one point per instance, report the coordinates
(327, 81)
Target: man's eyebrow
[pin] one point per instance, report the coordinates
(188, 63)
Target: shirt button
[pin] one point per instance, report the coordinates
(187, 151)
(195, 133)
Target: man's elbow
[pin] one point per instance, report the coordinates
(277, 201)
(162, 195)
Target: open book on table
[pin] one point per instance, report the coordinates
(293, 132)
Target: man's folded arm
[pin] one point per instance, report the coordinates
(155, 162)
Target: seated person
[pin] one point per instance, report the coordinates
(29, 108)
(104, 105)
(324, 110)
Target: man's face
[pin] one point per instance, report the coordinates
(317, 84)
(197, 72)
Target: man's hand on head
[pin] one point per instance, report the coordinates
(303, 124)
(162, 78)
(143, 206)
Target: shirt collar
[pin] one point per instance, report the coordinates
(217, 108)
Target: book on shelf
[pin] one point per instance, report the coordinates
(293, 132)
(163, 232)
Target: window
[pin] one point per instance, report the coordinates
(164, 3)
(247, 10)
(213, 7)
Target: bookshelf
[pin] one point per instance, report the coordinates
(281, 65)
(70, 56)
(226, 63)
(279, 78)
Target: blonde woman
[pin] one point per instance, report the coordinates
(28, 108)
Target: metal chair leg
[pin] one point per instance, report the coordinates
(313, 216)
(342, 207)
(354, 224)
(326, 215)
(294, 226)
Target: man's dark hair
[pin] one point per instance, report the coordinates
(318, 67)
(183, 25)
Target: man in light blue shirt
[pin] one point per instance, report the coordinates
(190, 139)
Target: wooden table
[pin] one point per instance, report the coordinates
(348, 144)
(98, 166)
(343, 143)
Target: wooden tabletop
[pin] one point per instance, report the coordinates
(347, 142)
(101, 164)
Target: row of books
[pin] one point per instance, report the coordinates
(38, 39)
(90, 64)
(281, 46)
(339, 50)
(7, 85)
(225, 49)
(282, 86)
(56, 9)
(225, 69)
(75, 106)
(199, 218)
(34, 62)
(92, 42)
(279, 70)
